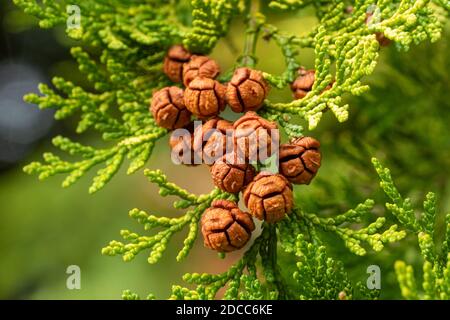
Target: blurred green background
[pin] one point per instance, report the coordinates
(403, 120)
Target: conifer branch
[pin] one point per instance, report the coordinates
(436, 266)
(157, 243)
(347, 43)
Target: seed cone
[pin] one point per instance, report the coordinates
(182, 145)
(303, 84)
(300, 160)
(225, 227)
(231, 175)
(205, 97)
(200, 66)
(210, 139)
(176, 57)
(269, 197)
(168, 108)
(254, 137)
(247, 90)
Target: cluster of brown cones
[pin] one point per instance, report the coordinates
(267, 196)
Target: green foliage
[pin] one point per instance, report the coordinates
(129, 65)
(210, 22)
(130, 40)
(157, 244)
(209, 284)
(436, 265)
(320, 276)
(136, 148)
(122, 45)
(405, 112)
(345, 43)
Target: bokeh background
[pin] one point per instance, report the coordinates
(403, 120)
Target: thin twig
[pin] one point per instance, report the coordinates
(254, 23)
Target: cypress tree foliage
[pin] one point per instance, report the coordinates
(122, 46)
(436, 266)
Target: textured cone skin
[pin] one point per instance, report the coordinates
(205, 97)
(247, 90)
(253, 136)
(181, 144)
(300, 160)
(269, 197)
(231, 175)
(225, 227)
(200, 66)
(304, 83)
(210, 139)
(176, 57)
(168, 108)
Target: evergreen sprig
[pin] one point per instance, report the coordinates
(436, 268)
(157, 243)
(436, 265)
(241, 279)
(352, 237)
(346, 43)
(318, 275)
(210, 22)
(400, 208)
(130, 40)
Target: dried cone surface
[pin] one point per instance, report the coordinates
(254, 137)
(247, 90)
(300, 160)
(269, 197)
(205, 97)
(200, 66)
(303, 84)
(225, 227)
(210, 139)
(176, 57)
(182, 144)
(231, 174)
(168, 108)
